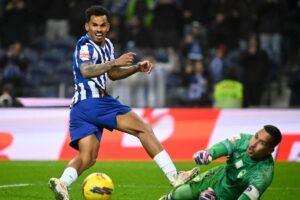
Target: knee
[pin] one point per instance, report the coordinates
(146, 130)
(89, 160)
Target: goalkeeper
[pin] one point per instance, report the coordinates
(247, 174)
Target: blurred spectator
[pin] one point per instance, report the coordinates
(7, 98)
(291, 33)
(222, 29)
(247, 20)
(37, 18)
(167, 24)
(228, 93)
(294, 85)
(157, 81)
(271, 18)
(57, 24)
(142, 9)
(196, 10)
(14, 67)
(198, 86)
(194, 42)
(14, 24)
(116, 33)
(147, 90)
(216, 66)
(136, 34)
(256, 72)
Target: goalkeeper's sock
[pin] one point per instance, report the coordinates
(69, 176)
(164, 161)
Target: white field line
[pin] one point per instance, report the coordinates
(16, 185)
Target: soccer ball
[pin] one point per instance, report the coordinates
(97, 186)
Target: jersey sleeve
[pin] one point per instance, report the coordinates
(84, 54)
(262, 179)
(224, 147)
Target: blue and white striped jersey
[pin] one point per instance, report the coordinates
(87, 51)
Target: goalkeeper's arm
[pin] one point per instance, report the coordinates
(251, 193)
(203, 157)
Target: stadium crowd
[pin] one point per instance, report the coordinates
(217, 53)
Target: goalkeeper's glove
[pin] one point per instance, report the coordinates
(208, 194)
(202, 157)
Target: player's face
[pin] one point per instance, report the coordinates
(97, 29)
(260, 146)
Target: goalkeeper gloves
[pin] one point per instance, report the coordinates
(202, 157)
(208, 194)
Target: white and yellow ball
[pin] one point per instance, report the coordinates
(97, 186)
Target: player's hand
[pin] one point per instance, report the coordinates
(208, 194)
(125, 59)
(202, 157)
(145, 66)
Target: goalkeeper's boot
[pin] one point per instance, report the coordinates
(59, 189)
(185, 176)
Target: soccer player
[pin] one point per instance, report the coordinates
(247, 174)
(93, 109)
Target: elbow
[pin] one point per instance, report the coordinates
(111, 76)
(86, 76)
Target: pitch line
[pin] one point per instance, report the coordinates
(16, 185)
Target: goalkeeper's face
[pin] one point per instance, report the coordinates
(260, 146)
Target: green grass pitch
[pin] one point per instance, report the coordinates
(27, 180)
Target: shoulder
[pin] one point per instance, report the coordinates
(240, 137)
(109, 43)
(246, 136)
(83, 41)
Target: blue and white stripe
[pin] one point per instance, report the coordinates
(87, 51)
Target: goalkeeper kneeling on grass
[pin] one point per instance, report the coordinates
(247, 174)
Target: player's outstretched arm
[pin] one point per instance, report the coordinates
(90, 70)
(251, 193)
(123, 72)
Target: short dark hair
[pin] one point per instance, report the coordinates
(95, 10)
(274, 132)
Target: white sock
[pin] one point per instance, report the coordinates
(69, 176)
(164, 161)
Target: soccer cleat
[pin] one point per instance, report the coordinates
(59, 188)
(185, 176)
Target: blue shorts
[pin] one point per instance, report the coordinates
(91, 115)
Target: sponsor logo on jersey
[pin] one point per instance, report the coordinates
(83, 56)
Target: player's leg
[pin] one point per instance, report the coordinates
(131, 123)
(184, 192)
(187, 191)
(88, 152)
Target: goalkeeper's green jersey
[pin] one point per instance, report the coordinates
(241, 174)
